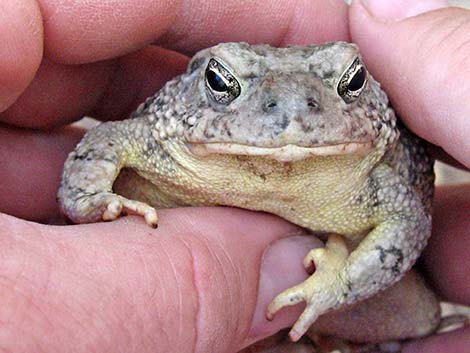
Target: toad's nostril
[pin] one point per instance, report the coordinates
(269, 106)
(313, 103)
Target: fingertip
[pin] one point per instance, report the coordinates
(422, 63)
(226, 246)
(21, 35)
(281, 268)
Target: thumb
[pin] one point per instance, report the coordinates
(201, 282)
(420, 51)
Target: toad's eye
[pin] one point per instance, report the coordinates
(353, 81)
(216, 82)
(221, 85)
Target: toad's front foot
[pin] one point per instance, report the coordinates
(107, 206)
(120, 204)
(322, 291)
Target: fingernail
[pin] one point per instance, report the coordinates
(401, 9)
(281, 268)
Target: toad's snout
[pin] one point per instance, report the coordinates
(291, 98)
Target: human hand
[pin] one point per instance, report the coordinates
(191, 285)
(423, 63)
(91, 287)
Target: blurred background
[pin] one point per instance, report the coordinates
(463, 3)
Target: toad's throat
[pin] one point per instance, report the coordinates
(287, 153)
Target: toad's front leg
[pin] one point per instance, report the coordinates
(340, 278)
(85, 193)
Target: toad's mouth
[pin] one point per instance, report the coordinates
(287, 153)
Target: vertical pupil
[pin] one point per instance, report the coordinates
(216, 82)
(358, 80)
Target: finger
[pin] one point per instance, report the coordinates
(280, 269)
(446, 258)
(455, 341)
(190, 286)
(21, 37)
(31, 165)
(422, 62)
(60, 94)
(139, 76)
(299, 22)
(88, 31)
(95, 30)
(113, 88)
